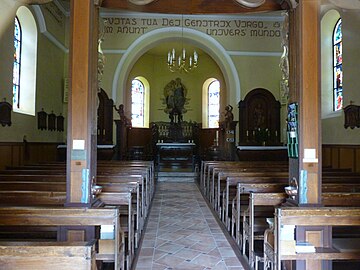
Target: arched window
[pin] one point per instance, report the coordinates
(17, 63)
(337, 67)
(140, 102)
(213, 104)
(25, 60)
(137, 103)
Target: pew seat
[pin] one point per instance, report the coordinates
(47, 255)
(311, 216)
(74, 218)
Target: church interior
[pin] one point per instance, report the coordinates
(195, 134)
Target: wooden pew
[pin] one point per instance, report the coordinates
(231, 191)
(47, 255)
(220, 183)
(310, 216)
(262, 206)
(228, 180)
(231, 165)
(208, 168)
(60, 175)
(118, 177)
(267, 202)
(56, 183)
(241, 204)
(119, 196)
(145, 168)
(108, 174)
(244, 190)
(59, 216)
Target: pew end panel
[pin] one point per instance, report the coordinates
(310, 217)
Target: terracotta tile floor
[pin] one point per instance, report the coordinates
(182, 233)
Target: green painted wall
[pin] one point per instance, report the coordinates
(49, 88)
(253, 65)
(333, 131)
(155, 70)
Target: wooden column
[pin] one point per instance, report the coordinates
(309, 118)
(305, 89)
(81, 137)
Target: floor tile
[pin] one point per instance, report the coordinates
(183, 234)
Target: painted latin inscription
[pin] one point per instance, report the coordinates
(212, 27)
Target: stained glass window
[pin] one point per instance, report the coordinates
(214, 104)
(337, 67)
(137, 103)
(17, 63)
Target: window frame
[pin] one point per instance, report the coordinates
(335, 66)
(218, 104)
(19, 41)
(142, 113)
(205, 102)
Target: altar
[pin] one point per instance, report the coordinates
(176, 156)
(104, 152)
(262, 153)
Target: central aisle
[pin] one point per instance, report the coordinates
(182, 233)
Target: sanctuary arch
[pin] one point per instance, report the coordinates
(158, 36)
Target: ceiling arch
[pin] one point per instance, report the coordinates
(194, 37)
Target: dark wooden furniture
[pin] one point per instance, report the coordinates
(174, 156)
(42, 119)
(5, 113)
(259, 118)
(76, 218)
(104, 152)
(51, 121)
(227, 135)
(105, 119)
(311, 216)
(352, 116)
(177, 132)
(262, 153)
(60, 122)
(48, 255)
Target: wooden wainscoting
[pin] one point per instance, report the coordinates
(11, 154)
(140, 144)
(19, 153)
(341, 156)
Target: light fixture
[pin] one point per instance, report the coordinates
(180, 63)
(251, 3)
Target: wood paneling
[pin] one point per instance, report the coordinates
(139, 137)
(206, 140)
(19, 153)
(341, 156)
(347, 158)
(10, 154)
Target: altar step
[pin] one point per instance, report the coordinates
(177, 176)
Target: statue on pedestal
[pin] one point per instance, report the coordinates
(123, 117)
(175, 98)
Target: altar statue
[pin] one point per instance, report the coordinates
(175, 98)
